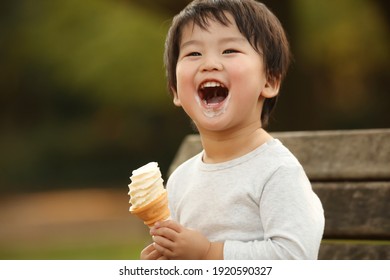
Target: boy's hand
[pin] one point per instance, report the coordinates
(150, 253)
(176, 242)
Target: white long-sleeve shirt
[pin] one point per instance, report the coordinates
(261, 205)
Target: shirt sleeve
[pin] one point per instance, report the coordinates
(292, 218)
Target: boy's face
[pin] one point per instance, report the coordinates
(221, 83)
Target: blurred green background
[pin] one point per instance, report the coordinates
(83, 101)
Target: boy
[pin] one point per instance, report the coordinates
(245, 196)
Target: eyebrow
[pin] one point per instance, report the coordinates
(223, 40)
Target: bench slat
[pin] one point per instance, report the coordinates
(326, 155)
(345, 155)
(355, 209)
(350, 250)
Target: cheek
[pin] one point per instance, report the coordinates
(247, 87)
(185, 80)
(182, 87)
(248, 80)
(182, 76)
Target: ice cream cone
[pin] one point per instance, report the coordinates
(155, 211)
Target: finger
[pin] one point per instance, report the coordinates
(165, 232)
(146, 255)
(169, 224)
(163, 250)
(148, 249)
(163, 242)
(154, 255)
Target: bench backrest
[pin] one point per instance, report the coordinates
(350, 172)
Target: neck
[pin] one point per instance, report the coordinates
(221, 147)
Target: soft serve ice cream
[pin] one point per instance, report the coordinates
(146, 185)
(148, 196)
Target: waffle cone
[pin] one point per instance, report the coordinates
(155, 211)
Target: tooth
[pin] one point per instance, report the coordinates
(212, 84)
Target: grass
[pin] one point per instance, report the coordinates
(76, 251)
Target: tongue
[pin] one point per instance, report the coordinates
(215, 99)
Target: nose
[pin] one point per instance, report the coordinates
(211, 63)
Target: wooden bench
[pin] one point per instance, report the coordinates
(350, 172)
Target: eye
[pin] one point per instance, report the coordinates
(194, 54)
(229, 51)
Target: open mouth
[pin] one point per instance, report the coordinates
(212, 93)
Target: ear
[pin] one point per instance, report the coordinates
(271, 88)
(176, 99)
